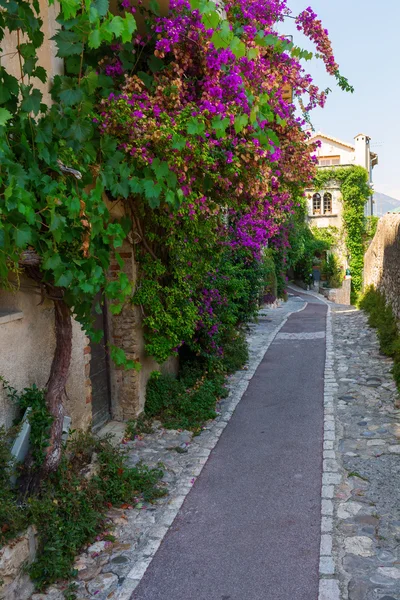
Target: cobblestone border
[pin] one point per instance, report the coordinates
(238, 385)
(328, 584)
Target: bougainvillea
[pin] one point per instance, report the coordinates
(218, 152)
(190, 122)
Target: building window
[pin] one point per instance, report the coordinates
(327, 203)
(317, 204)
(328, 161)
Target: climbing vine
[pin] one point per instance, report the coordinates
(355, 192)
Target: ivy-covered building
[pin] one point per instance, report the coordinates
(341, 199)
(325, 205)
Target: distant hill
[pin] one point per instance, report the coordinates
(384, 204)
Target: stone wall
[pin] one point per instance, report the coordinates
(128, 387)
(382, 260)
(15, 583)
(339, 295)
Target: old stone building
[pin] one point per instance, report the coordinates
(325, 206)
(97, 390)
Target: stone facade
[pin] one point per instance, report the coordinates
(128, 387)
(382, 260)
(15, 584)
(339, 295)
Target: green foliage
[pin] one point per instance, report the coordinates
(33, 399)
(54, 165)
(333, 271)
(178, 407)
(327, 235)
(370, 229)
(188, 401)
(236, 352)
(70, 509)
(355, 192)
(270, 291)
(138, 426)
(12, 516)
(381, 316)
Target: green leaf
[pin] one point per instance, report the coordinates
(71, 94)
(155, 7)
(116, 26)
(222, 37)
(160, 168)
(95, 38)
(238, 47)
(220, 125)
(22, 235)
(152, 192)
(136, 185)
(240, 122)
(147, 79)
(52, 262)
(211, 20)
(170, 197)
(64, 279)
(68, 43)
(5, 116)
(129, 27)
(155, 64)
(70, 8)
(178, 142)
(195, 127)
(252, 53)
(80, 130)
(40, 73)
(31, 102)
(101, 6)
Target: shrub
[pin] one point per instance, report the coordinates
(187, 401)
(381, 316)
(178, 407)
(332, 271)
(12, 516)
(236, 352)
(270, 291)
(70, 508)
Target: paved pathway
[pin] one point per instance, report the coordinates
(250, 527)
(243, 523)
(366, 525)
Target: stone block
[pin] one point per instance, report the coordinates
(16, 584)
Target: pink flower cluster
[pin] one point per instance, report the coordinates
(308, 22)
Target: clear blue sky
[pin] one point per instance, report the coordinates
(365, 39)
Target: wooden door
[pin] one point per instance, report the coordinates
(100, 372)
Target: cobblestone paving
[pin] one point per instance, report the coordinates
(112, 570)
(366, 522)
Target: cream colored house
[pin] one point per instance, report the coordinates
(325, 206)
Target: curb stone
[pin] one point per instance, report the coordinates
(328, 584)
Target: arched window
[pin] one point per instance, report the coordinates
(316, 200)
(327, 203)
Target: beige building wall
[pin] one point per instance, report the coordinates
(46, 53)
(27, 342)
(382, 260)
(326, 220)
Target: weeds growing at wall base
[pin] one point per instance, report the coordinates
(381, 316)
